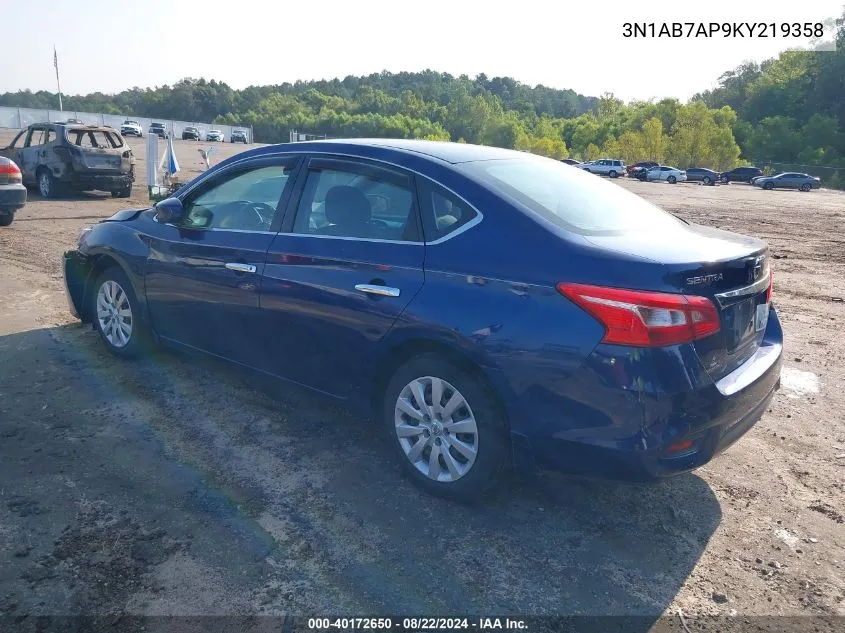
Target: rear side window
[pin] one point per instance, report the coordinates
(94, 139)
(364, 204)
(569, 198)
(443, 212)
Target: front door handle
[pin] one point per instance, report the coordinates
(238, 267)
(373, 289)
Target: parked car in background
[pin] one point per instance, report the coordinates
(530, 360)
(664, 173)
(702, 175)
(604, 167)
(62, 157)
(788, 180)
(12, 191)
(570, 161)
(643, 165)
(238, 136)
(131, 128)
(159, 130)
(190, 134)
(740, 174)
(215, 135)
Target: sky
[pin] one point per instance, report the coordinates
(108, 46)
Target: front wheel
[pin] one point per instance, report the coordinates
(672, 180)
(48, 186)
(805, 187)
(446, 428)
(724, 180)
(6, 219)
(768, 186)
(114, 311)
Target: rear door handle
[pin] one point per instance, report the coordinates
(238, 267)
(373, 289)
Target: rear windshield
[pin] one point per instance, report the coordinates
(94, 138)
(572, 199)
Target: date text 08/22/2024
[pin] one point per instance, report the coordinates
(789, 30)
(409, 624)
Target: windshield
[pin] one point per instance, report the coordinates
(570, 198)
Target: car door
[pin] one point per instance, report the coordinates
(348, 261)
(203, 276)
(28, 156)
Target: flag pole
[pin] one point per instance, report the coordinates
(58, 85)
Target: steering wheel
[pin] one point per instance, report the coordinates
(257, 208)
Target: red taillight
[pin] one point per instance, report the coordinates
(10, 172)
(677, 447)
(645, 319)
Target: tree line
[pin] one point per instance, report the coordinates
(789, 110)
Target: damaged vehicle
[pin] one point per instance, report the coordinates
(65, 157)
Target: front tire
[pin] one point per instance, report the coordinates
(446, 428)
(724, 180)
(115, 312)
(48, 186)
(768, 186)
(6, 219)
(805, 187)
(672, 180)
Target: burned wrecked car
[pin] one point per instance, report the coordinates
(64, 157)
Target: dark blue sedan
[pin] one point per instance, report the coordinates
(489, 308)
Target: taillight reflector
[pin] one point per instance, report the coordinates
(645, 319)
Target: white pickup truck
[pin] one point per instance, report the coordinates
(604, 167)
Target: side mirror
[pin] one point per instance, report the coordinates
(170, 211)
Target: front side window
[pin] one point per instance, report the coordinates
(569, 198)
(368, 204)
(244, 201)
(36, 137)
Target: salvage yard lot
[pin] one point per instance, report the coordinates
(179, 486)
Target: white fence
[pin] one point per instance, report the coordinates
(17, 118)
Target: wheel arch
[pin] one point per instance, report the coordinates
(98, 262)
(415, 346)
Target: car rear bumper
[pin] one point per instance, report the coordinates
(75, 276)
(100, 182)
(12, 198)
(656, 416)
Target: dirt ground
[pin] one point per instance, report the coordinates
(174, 486)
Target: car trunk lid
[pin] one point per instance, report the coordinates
(731, 270)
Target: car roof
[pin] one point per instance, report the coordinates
(443, 150)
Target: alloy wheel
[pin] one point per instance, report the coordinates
(436, 429)
(114, 313)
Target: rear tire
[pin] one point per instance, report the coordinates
(612, 173)
(706, 180)
(724, 180)
(125, 192)
(6, 219)
(115, 313)
(443, 460)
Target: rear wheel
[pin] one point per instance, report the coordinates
(805, 187)
(6, 219)
(724, 180)
(706, 180)
(446, 428)
(768, 186)
(612, 173)
(123, 192)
